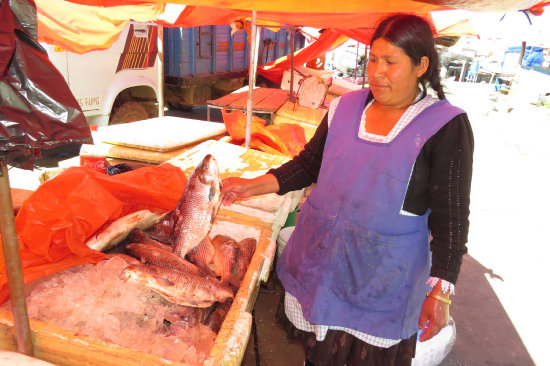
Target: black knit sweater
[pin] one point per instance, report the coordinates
(440, 181)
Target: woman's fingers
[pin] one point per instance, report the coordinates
(228, 198)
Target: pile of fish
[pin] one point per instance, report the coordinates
(173, 255)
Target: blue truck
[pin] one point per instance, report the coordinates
(208, 62)
(121, 84)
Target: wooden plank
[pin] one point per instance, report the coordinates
(309, 130)
(161, 134)
(225, 100)
(273, 102)
(146, 155)
(312, 116)
(66, 348)
(258, 95)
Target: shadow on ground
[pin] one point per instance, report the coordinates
(485, 333)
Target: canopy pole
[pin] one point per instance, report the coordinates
(251, 77)
(160, 55)
(356, 62)
(291, 91)
(12, 261)
(522, 52)
(364, 67)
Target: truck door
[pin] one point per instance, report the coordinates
(58, 56)
(91, 73)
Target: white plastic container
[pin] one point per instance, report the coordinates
(282, 239)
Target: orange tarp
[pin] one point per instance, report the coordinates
(293, 6)
(55, 221)
(82, 29)
(85, 25)
(328, 41)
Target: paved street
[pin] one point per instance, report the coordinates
(499, 307)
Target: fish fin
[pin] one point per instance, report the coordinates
(163, 281)
(211, 193)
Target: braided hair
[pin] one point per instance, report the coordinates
(413, 35)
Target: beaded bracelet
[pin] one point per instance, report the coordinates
(440, 298)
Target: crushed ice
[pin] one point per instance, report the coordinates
(94, 300)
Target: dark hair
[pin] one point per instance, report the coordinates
(413, 35)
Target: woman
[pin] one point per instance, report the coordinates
(388, 218)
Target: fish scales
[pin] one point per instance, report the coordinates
(245, 251)
(197, 206)
(225, 256)
(179, 287)
(115, 232)
(216, 318)
(140, 236)
(203, 254)
(162, 258)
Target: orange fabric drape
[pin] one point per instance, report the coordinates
(54, 223)
(328, 41)
(81, 29)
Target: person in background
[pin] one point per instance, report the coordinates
(378, 245)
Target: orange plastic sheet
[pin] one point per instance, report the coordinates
(286, 139)
(329, 40)
(83, 25)
(57, 219)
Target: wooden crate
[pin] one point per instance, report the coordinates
(66, 348)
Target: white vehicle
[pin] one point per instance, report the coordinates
(116, 85)
(121, 84)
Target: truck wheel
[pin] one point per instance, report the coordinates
(128, 112)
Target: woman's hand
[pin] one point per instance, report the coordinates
(434, 314)
(234, 188)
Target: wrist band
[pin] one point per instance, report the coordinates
(440, 298)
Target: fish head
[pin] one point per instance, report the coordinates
(208, 170)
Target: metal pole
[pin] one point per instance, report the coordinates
(160, 54)
(251, 77)
(522, 52)
(291, 91)
(356, 62)
(364, 67)
(462, 70)
(12, 261)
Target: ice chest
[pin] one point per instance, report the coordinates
(66, 348)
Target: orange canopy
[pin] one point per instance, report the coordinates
(85, 25)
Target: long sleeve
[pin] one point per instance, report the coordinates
(303, 169)
(441, 181)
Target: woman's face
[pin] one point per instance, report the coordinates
(393, 78)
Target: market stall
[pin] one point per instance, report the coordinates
(260, 220)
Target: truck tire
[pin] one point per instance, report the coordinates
(129, 111)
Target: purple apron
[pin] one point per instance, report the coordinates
(353, 260)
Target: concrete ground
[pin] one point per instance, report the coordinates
(500, 301)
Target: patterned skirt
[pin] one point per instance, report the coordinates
(340, 348)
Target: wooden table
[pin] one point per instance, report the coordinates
(264, 101)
